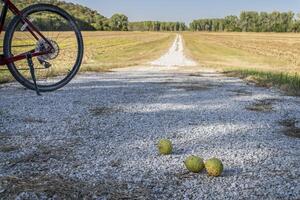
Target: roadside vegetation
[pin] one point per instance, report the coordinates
(250, 21)
(157, 26)
(268, 59)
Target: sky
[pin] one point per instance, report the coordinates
(185, 10)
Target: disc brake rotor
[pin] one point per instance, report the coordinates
(43, 46)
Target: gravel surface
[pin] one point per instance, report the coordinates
(96, 138)
(175, 56)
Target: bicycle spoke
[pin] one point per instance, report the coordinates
(61, 61)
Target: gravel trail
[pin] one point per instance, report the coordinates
(175, 56)
(96, 138)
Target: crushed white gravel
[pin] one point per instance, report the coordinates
(175, 56)
(96, 138)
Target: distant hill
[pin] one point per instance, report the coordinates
(87, 18)
(91, 20)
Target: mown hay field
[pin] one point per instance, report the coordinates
(270, 58)
(107, 50)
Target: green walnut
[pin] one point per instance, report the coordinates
(214, 167)
(165, 147)
(194, 164)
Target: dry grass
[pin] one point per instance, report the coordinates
(47, 152)
(290, 128)
(8, 148)
(264, 51)
(260, 107)
(5, 76)
(101, 110)
(241, 92)
(58, 187)
(44, 154)
(189, 86)
(196, 74)
(270, 58)
(265, 105)
(107, 50)
(32, 120)
(195, 87)
(103, 51)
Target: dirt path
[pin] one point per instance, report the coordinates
(175, 56)
(96, 138)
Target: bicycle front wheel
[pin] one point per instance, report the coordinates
(53, 70)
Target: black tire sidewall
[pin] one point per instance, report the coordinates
(8, 40)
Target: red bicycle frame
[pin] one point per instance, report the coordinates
(8, 5)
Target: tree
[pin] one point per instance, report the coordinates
(287, 21)
(106, 26)
(249, 21)
(264, 22)
(296, 24)
(231, 23)
(119, 22)
(157, 26)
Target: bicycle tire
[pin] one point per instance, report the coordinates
(8, 41)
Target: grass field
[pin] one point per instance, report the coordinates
(107, 50)
(265, 58)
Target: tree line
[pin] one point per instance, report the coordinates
(156, 26)
(92, 20)
(251, 21)
(87, 19)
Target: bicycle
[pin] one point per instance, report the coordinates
(42, 47)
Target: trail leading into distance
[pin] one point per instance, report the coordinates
(175, 56)
(97, 137)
